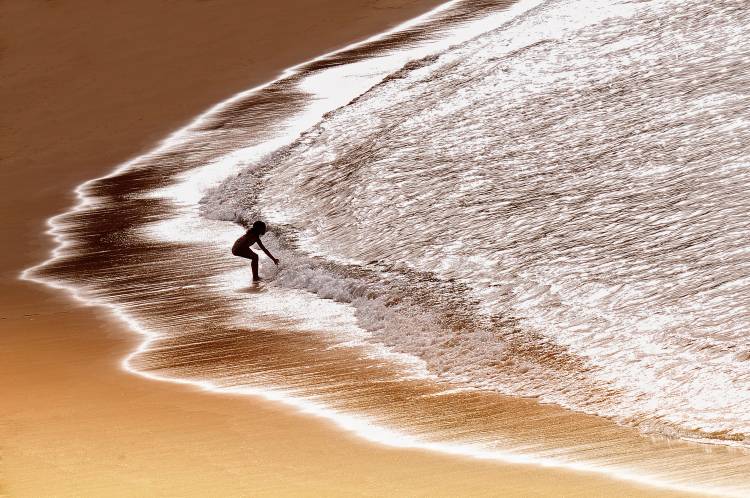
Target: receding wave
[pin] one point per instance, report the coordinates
(486, 219)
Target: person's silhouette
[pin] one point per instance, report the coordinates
(242, 245)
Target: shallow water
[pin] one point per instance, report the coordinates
(548, 205)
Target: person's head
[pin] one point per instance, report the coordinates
(259, 228)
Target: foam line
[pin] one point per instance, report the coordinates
(365, 429)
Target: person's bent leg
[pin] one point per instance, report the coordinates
(254, 265)
(249, 254)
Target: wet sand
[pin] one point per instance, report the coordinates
(85, 87)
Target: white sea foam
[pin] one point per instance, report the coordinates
(582, 170)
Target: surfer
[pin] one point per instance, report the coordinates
(242, 245)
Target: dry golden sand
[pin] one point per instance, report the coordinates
(85, 86)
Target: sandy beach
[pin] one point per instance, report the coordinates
(85, 87)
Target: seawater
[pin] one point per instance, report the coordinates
(576, 183)
(491, 220)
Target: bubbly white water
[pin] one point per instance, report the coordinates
(556, 208)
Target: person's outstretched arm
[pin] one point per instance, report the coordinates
(260, 244)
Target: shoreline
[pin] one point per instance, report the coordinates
(582, 483)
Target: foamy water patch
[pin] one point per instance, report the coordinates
(574, 172)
